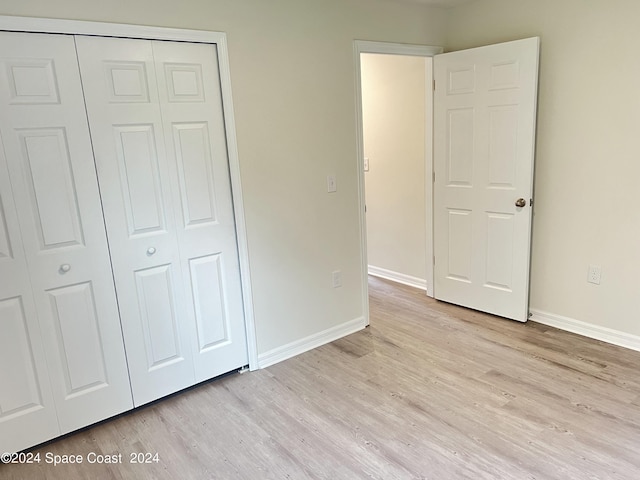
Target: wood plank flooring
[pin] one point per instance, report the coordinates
(428, 391)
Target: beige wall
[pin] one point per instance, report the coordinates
(293, 80)
(393, 113)
(588, 148)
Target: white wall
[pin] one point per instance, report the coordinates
(393, 114)
(293, 80)
(588, 149)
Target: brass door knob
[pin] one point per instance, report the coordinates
(521, 202)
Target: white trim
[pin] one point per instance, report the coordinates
(364, 46)
(428, 176)
(362, 222)
(398, 277)
(590, 330)
(309, 343)
(238, 201)
(73, 27)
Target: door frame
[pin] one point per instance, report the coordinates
(74, 27)
(364, 46)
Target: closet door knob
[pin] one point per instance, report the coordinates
(151, 251)
(64, 268)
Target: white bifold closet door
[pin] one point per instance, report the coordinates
(27, 411)
(157, 126)
(70, 319)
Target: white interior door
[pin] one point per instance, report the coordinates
(27, 410)
(484, 138)
(194, 132)
(121, 95)
(52, 173)
(156, 121)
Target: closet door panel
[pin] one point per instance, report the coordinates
(51, 169)
(192, 113)
(27, 410)
(126, 127)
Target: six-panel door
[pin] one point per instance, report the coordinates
(194, 133)
(159, 138)
(484, 131)
(155, 113)
(52, 174)
(27, 410)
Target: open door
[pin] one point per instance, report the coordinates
(484, 140)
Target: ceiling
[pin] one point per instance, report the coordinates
(438, 3)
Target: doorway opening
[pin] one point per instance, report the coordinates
(394, 115)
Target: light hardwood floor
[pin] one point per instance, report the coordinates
(429, 391)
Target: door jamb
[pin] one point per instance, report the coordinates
(363, 46)
(74, 27)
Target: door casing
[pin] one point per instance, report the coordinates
(363, 46)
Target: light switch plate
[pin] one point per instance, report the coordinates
(332, 185)
(336, 277)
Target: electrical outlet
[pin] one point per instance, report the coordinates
(337, 278)
(595, 272)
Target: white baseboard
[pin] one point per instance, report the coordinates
(312, 341)
(590, 330)
(398, 277)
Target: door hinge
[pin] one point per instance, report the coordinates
(434, 84)
(434, 259)
(434, 176)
